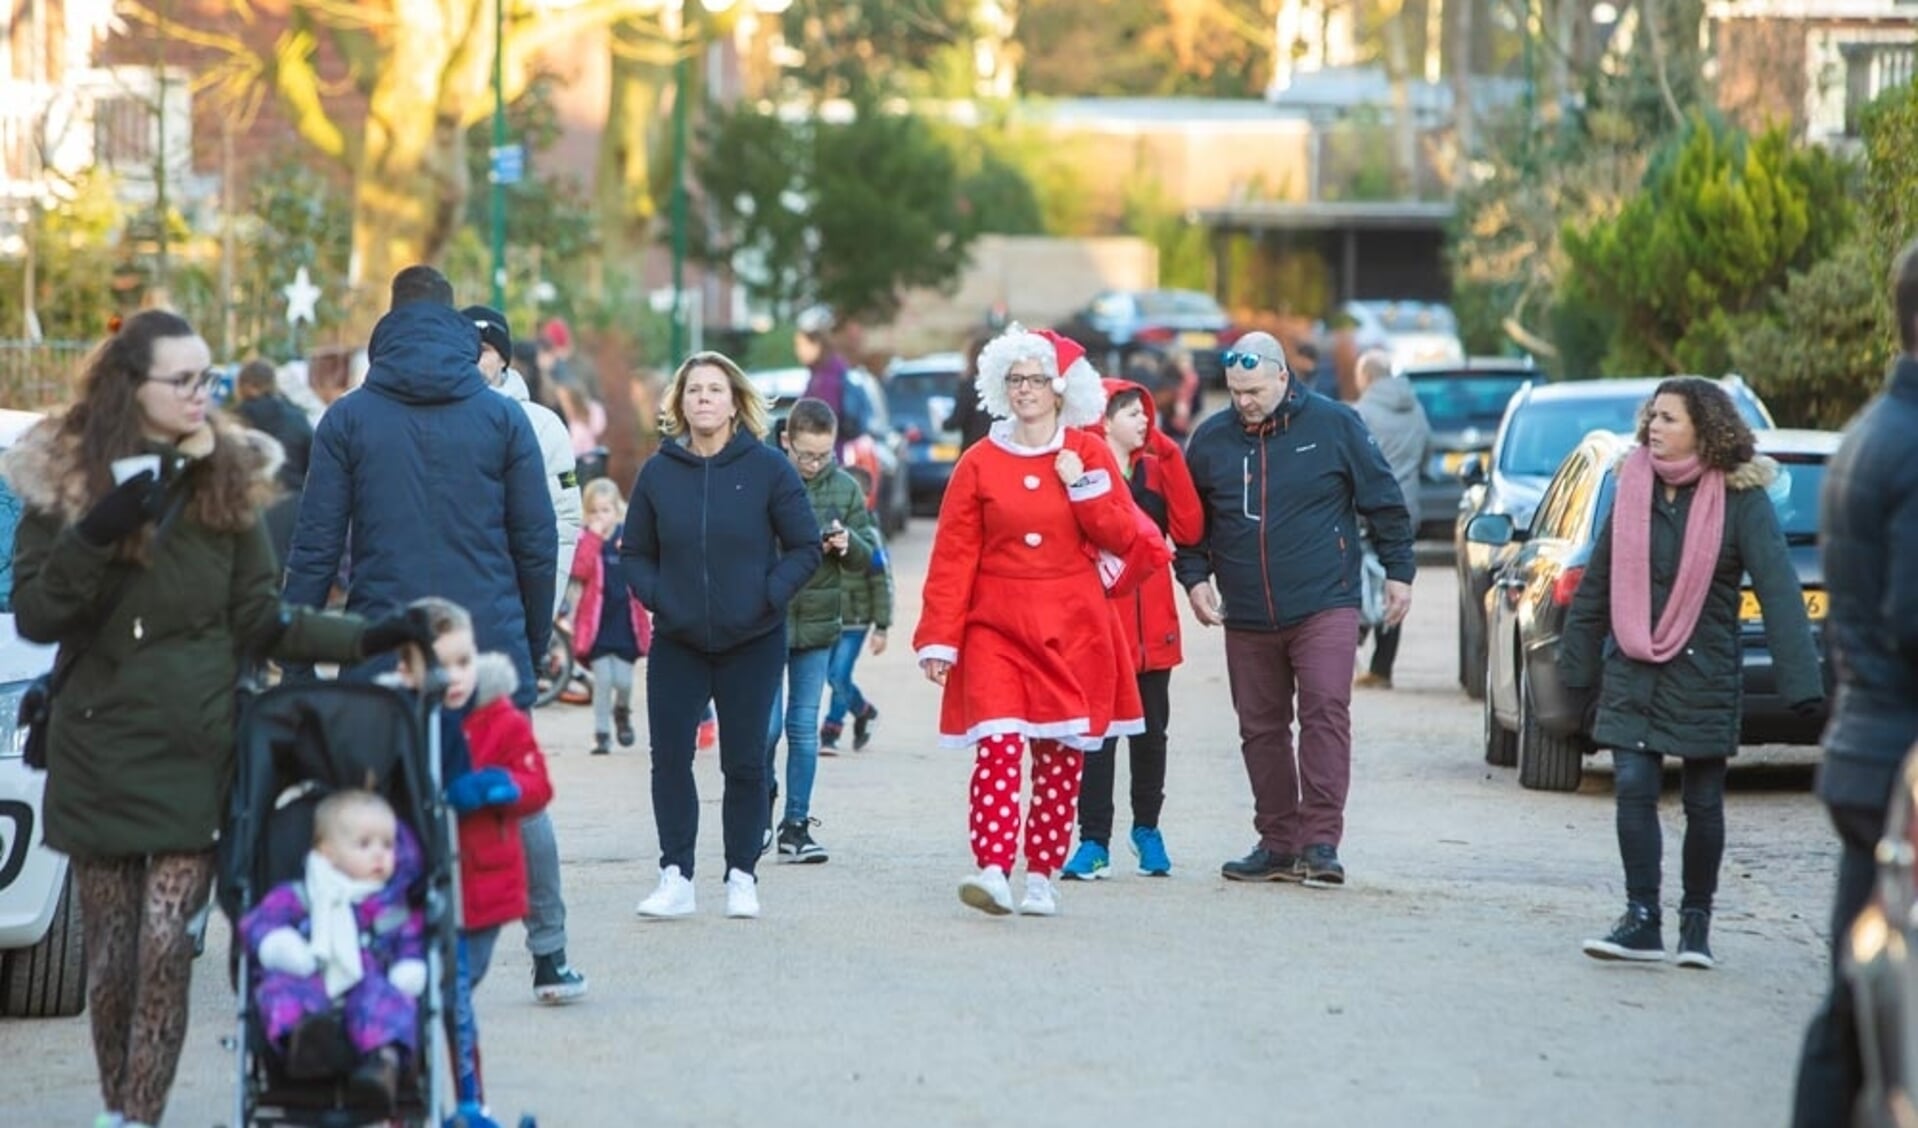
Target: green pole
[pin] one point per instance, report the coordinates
(498, 202)
(682, 72)
(1528, 150)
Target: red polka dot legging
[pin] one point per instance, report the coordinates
(995, 803)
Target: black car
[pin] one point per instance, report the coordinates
(1542, 423)
(922, 393)
(1876, 957)
(1463, 404)
(1529, 718)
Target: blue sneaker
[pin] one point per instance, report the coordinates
(1149, 845)
(1090, 862)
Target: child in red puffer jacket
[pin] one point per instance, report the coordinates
(611, 629)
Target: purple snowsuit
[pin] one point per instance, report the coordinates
(374, 1012)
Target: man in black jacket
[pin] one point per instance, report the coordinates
(1284, 477)
(1870, 537)
(263, 408)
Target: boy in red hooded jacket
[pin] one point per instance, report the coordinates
(1162, 488)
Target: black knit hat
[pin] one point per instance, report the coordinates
(493, 329)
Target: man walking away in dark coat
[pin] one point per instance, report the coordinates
(264, 409)
(438, 481)
(1870, 537)
(1392, 413)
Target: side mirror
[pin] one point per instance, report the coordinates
(1493, 529)
(1472, 470)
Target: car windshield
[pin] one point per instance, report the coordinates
(1542, 433)
(1411, 317)
(9, 518)
(1795, 494)
(1455, 401)
(911, 394)
(1178, 303)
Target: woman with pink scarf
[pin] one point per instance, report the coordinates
(1654, 633)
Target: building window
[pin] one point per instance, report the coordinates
(1870, 70)
(122, 131)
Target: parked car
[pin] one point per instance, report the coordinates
(880, 451)
(1463, 403)
(42, 969)
(922, 393)
(1529, 718)
(1414, 332)
(1542, 423)
(1876, 957)
(1190, 319)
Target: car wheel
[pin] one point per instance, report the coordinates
(1472, 656)
(48, 980)
(1546, 761)
(1501, 745)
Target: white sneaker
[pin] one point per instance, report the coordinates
(987, 891)
(1040, 899)
(673, 899)
(742, 895)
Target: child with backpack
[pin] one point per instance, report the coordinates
(611, 629)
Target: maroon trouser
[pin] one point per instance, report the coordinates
(1298, 795)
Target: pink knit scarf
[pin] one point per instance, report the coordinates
(1632, 555)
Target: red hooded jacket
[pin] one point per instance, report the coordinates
(1162, 488)
(492, 861)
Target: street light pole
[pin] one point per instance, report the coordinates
(498, 198)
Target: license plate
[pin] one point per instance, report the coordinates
(1815, 605)
(1456, 458)
(944, 452)
(1198, 340)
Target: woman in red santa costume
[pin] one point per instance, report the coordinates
(1014, 622)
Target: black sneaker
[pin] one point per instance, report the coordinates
(623, 725)
(1264, 865)
(1638, 935)
(1694, 939)
(862, 728)
(796, 844)
(1322, 868)
(601, 745)
(556, 982)
(829, 738)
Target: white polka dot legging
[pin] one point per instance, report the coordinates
(995, 803)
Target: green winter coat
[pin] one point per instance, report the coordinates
(813, 620)
(140, 754)
(868, 596)
(1691, 706)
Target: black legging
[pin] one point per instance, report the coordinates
(1147, 751)
(1640, 842)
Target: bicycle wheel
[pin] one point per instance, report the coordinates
(556, 672)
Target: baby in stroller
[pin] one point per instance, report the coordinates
(341, 952)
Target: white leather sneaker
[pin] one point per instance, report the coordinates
(987, 891)
(1040, 900)
(673, 899)
(742, 895)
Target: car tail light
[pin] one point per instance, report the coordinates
(1154, 334)
(913, 433)
(1566, 586)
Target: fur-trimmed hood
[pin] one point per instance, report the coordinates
(1757, 474)
(494, 678)
(44, 471)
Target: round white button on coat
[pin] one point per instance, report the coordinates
(1032, 481)
(1033, 539)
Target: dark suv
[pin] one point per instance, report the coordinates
(1463, 404)
(1542, 423)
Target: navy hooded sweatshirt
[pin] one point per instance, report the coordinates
(1282, 503)
(441, 487)
(717, 547)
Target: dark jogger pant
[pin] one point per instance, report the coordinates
(740, 682)
(1147, 753)
(1830, 1071)
(1298, 795)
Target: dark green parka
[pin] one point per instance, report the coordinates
(1691, 706)
(813, 620)
(140, 754)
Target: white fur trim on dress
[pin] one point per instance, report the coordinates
(1085, 396)
(939, 653)
(1070, 733)
(1000, 434)
(1091, 484)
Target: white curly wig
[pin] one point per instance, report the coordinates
(1083, 396)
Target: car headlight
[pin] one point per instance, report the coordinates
(13, 738)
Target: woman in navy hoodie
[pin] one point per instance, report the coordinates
(719, 538)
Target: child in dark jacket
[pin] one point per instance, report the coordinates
(611, 629)
(865, 609)
(1148, 612)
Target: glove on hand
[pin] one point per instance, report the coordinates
(285, 950)
(124, 509)
(1809, 708)
(488, 787)
(396, 631)
(408, 977)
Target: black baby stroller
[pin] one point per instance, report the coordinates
(297, 743)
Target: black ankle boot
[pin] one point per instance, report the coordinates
(1695, 938)
(623, 725)
(375, 1081)
(1638, 935)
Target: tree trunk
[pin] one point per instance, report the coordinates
(623, 182)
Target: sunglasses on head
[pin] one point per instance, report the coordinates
(1245, 360)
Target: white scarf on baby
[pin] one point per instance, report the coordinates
(330, 897)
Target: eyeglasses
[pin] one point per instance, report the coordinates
(1019, 380)
(1245, 360)
(187, 384)
(808, 458)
